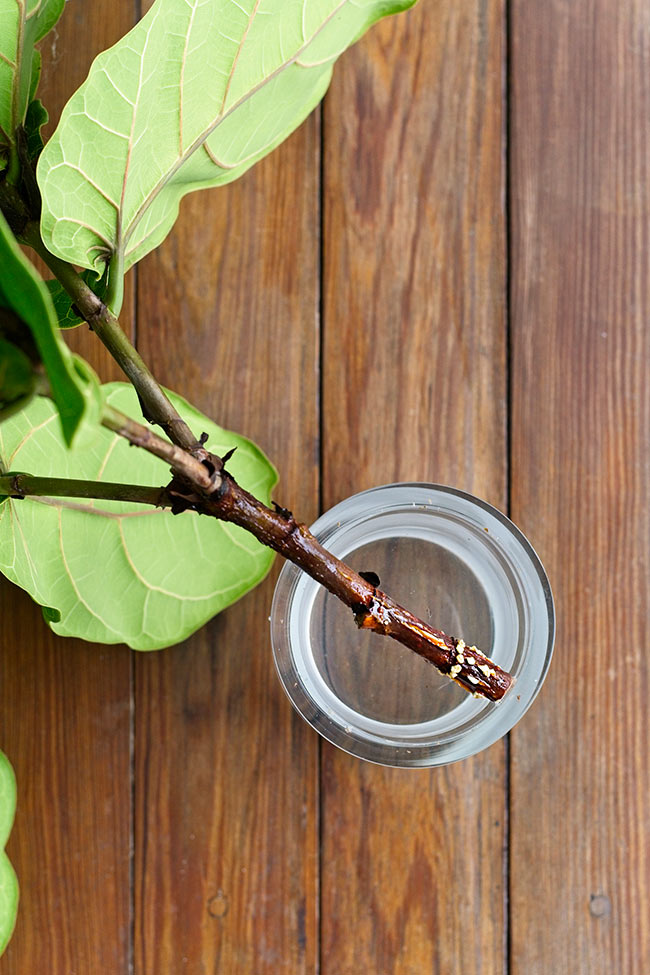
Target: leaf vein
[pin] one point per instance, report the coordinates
(117, 89)
(28, 557)
(91, 182)
(27, 438)
(102, 467)
(33, 11)
(167, 592)
(182, 78)
(237, 53)
(75, 588)
(90, 509)
(118, 228)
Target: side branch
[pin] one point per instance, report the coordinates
(202, 474)
(200, 483)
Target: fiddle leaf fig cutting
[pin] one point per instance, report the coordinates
(191, 97)
(113, 572)
(8, 881)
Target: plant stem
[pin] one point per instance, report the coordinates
(155, 405)
(24, 485)
(203, 475)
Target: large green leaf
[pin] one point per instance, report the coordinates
(196, 93)
(117, 572)
(35, 118)
(22, 24)
(24, 292)
(8, 881)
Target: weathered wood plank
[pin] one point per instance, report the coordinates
(65, 724)
(65, 706)
(580, 204)
(414, 388)
(226, 780)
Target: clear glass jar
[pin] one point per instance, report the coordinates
(462, 567)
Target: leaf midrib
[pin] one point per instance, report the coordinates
(15, 92)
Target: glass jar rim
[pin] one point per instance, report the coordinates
(490, 534)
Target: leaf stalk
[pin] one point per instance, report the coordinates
(19, 486)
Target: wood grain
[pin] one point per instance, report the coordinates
(224, 875)
(414, 388)
(226, 774)
(65, 706)
(580, 202)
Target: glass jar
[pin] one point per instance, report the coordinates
(458, 564)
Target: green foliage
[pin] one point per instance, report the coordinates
(24, 292)
(191, 97)
(17, 379)
(114, 571)
(35, 118)
(8, 881)
(22, 24)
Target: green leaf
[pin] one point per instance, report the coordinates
(23, 290)
(63, 304)
(22, 24)
(17, 380)
(119, 572)
(8, 880)
(191, 97)
(35, 119)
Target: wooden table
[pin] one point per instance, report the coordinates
(443, 275)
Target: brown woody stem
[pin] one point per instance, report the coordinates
(372, 608)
